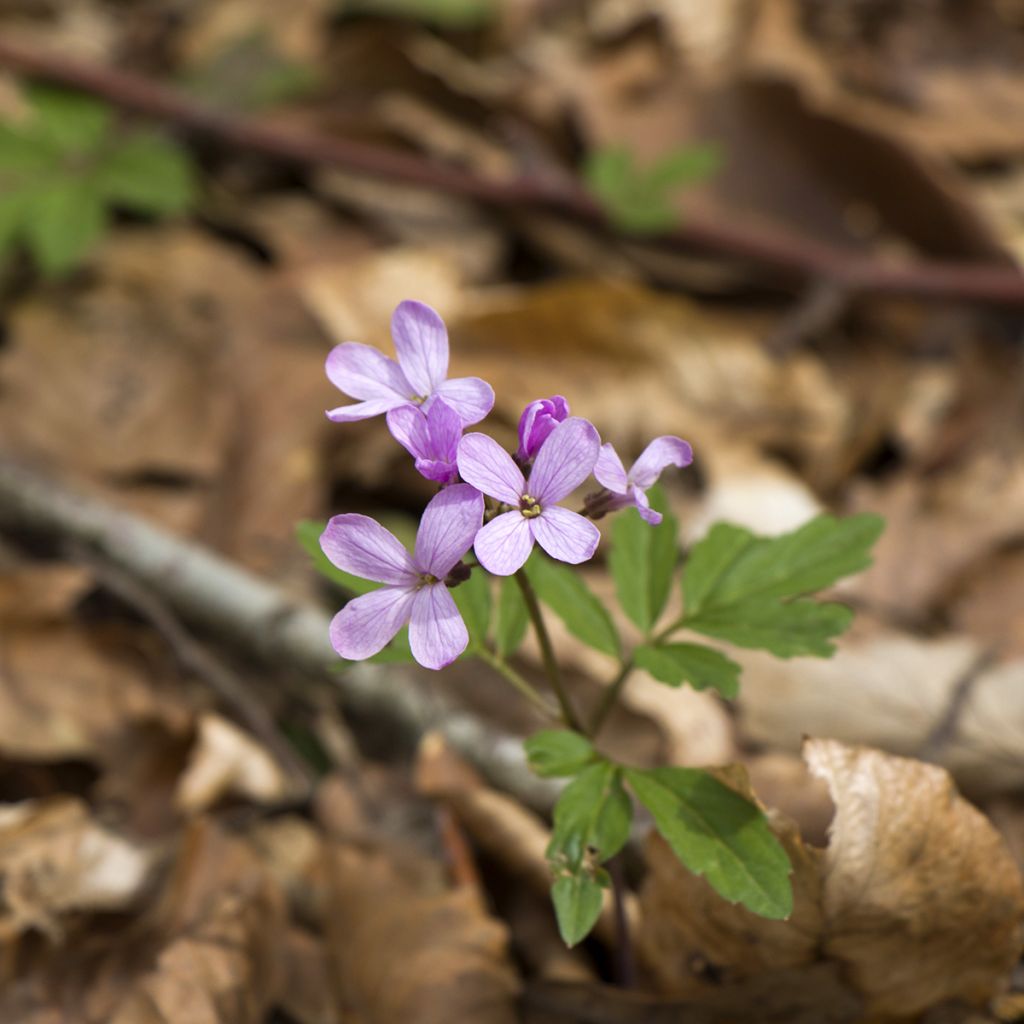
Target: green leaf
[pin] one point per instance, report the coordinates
(695, 664)
(473, 599)
(148, 173)
(308, 531)
(717, 833)
(512, 618)
(642, 560)
(70, 121)
(577, 900)
(453, 15)
(64, 221)
(787, 630)
(571, 600)
(591, 818)
(732, 565)
(556, 752)
(684, 166)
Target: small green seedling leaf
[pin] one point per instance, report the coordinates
(512, 618)
(473, 599)
(700, 666)
(717, 833)
(552, 753)
(642, 561)
(571, 600)
(577, 900)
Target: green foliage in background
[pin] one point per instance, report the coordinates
(639, 200)
(67, 163)
(452, 15)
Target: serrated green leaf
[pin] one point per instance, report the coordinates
(642, 560)
(552, 753)
(787, 630)
(571, 600)
(70, 121)
(473, 599)
(62, 224)
(717, 833)
(147, 173)
(577, 899)
(731, 565)
(591, 818)
(695, 664)
(307, 532)
(512, 618)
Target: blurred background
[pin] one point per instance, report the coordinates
(785, 230)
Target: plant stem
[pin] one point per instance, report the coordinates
(512, 676)
(609, 698)
(554, 673)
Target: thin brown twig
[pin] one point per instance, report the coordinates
(792, 259)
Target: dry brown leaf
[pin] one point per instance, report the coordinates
(922, 899)
(227, 761)
(39, 592)
(400, 953)
(55, 859)
(63, 695)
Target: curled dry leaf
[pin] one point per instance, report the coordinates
(915, 902)
(400, 953)
(227, 761)
(55, 859)
(923, 900)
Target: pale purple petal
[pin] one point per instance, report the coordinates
(471, 397)
(565, 535)
(489, 468)
(366, 624)
(409, 428)
(445, 428)
(363, 410)
(437, 634)
(361, 546)
(659, 454)
(610, 471)
(438, 470)
(504, 544)
(421, 341)
(643, 506)
(564, 461)
(449, 524)
(363, 372)
(539, 418)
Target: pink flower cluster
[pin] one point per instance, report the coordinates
(427, 414)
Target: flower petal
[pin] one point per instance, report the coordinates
(504, 544)
(437, 634)
(565, 535)
(489, 468)
(471, 397)
(361, 546)
(643, 506)
(438, 470)
(409, 428)
(421, 341)
(450, 523)
(363, 410)
(565, 460)
(366, 624)
(363, 372)
(445, 426)
(610, 471)
(659, 454)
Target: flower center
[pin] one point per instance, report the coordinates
(417, 399)
(426, 579)
(529, 507)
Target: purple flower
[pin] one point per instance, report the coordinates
(421, 341)
(538, 420)
(414, 590)
(562, 464)
(631, 488)
(432, 439)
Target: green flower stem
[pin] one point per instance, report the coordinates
(610, 698)
(518, 682)
(554, 673)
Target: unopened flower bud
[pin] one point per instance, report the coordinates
(538, 420)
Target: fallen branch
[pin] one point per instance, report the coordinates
(793, 260)
(238, 607)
